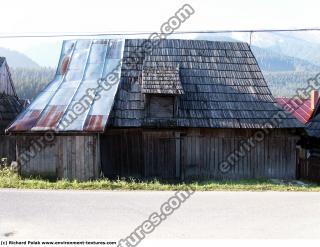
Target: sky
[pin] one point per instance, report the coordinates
(47, 16)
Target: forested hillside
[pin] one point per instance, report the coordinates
(287, 83)
(29, 82)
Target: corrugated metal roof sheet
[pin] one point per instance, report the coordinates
(82, 64)
(300, 109)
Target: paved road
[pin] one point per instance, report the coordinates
(101, 215)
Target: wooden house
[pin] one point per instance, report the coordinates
(307, 111)
(10, 107)
(310, 158)
(177, 111)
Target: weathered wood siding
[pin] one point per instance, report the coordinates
(309, 164)
(203, 150)
(122, 153)
(197, 153)
(8, 148)
(159, 154)
(68, 157)
(5, 81)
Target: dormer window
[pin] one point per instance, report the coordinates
(161, 86)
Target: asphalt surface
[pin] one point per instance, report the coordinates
(89, 215)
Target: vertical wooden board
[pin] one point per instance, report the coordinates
(198, 164)
(257, 160)
(67, 155)
(97, 153)
(79, 159)
(32, 159)
(59, 165)
(126, 154)
(188, 154)
(90, 155)
(292, 165)
(218, 158)
(183, 157)
(131, 159)
(215, 153)
(272, 158)
(244, 159)
(87, 158)
(231, 150)
(156, 153)
(241, 166)
(211, 156)
(72, 159)
(207, 146)
(146, 152)
(150, 165)
(94, 151)
(285, 156)
(64, 156)
(139, 159)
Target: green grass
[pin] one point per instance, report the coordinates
(9, 179)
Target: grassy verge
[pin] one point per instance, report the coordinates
(9, 179)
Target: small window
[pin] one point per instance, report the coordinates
(161, 106)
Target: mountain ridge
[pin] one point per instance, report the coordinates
(16, 59)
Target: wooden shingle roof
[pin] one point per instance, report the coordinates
(222, 82)
(10, 107)
(161, 80)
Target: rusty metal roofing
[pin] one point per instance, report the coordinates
(300, 109)
(82, 65)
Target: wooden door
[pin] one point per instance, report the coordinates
(161, 155)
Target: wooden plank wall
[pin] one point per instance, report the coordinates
(168, 154)
(122, 153)
(203, 150)
(196, 153)
(68, 157)
(139, 154)
(309, 165)
(8, 148)
(159, 154)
